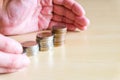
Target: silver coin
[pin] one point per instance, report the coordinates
(45, 41)
(30, 48)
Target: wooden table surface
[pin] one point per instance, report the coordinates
(93, 54)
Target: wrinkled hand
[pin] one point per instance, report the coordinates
(23, 16)
(11, 59)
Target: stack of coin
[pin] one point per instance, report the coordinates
(30, 48)
(45, 41)
(59, 32)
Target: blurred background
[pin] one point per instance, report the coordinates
(102, 14)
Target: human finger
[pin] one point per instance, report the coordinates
(65, 15)
(62, 11)
(80, 27)
(10, 45)
(61, 19)
(7, 70)
(13, 61)
(80, 22)
(74, 6)
(84, 21)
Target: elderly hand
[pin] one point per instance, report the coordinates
(23, 16)
(11, 57)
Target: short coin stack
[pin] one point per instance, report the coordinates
(59, 34)
(45, 41)
(30, 48)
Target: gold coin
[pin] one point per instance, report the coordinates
(44, 35)
(59, 29)
(56, 44)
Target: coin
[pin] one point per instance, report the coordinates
(59, 29)
(45, 41)
(30, 48)
(57, 44)
(59, 39)
(59, 32)
(44, 35)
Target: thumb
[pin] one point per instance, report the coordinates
(9, 45)
(12, 62)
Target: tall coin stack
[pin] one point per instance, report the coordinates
(45, 41)
(59, 32)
